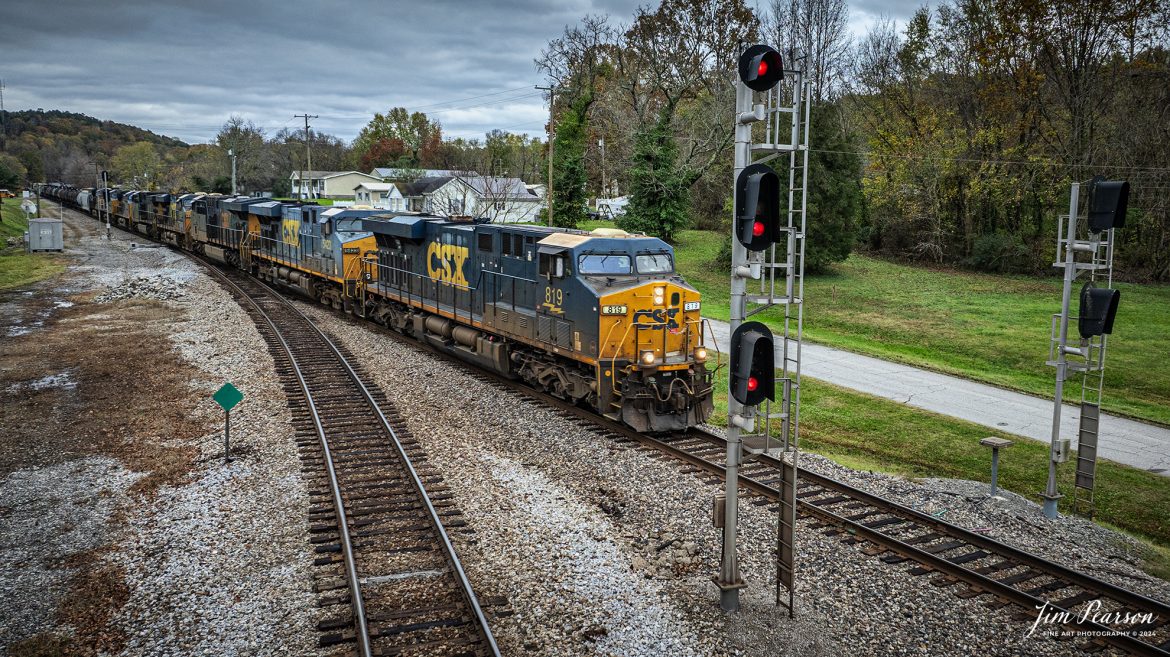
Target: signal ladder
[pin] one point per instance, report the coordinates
(1089, 361)
(781, 284)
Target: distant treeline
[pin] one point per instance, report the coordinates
(978, 115)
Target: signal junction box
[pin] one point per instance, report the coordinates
(45, 235)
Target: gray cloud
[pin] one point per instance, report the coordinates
(181, 68)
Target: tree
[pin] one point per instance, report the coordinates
(658, 186)
(137, 165)
(12, 172)
(818, 31)
(835, 196)
(246, 140)
(569, 199)
(674, 70)
(415, 131)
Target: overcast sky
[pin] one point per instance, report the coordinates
(181, 68)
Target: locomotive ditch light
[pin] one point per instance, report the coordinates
(1108, 201)
(1098, 310)
(757, 207)
(648, 358)
(760, 67)
(701, 355)
(753, 369)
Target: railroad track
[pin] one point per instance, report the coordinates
(948, 555)
(385, 564)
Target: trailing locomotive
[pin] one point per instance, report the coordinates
(598, 318)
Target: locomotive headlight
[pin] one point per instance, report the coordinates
(648, 358)
(658, 301)
(701, 354)
(659, 291)
(659, 295)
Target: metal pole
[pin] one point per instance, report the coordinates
(729, 579)
(227, 428)
(308, 153)
(232, 154)
(604, 187)
(552, 92)
(1051, 495)
(994, 470)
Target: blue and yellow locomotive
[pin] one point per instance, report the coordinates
(597, 318)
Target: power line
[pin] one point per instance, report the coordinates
(1050, 163)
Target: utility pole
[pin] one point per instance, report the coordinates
(604, 187)
(3, 117)
(232, 154)
(308, 154)
(552, 94)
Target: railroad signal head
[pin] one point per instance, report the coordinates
(753, 364)
(760, 67)
(757, 207)
(1098, 310)
(1108, 201)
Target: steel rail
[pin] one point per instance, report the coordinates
(448, 549)
(975, 580)
(356, 602)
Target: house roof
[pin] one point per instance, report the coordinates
(376, 186)
(499, 188)
(311, 175)
(400, 172)
(424, 185)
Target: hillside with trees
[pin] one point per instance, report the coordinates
(53, 145)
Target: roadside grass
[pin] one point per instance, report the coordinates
(870, 433)
(989, 328)
(18, 267)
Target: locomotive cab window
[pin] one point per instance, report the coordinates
(551, 265)
(604, 263)
(485, 242)
(655, 263)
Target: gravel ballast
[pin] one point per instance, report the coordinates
(520, 470)
(215, 561)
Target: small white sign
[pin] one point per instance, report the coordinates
(26, 194)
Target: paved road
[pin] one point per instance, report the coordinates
(1126, 441)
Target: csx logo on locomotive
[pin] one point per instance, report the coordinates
(445, 263)
(290, 232)
(657, 318)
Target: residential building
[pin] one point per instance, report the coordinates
(381, 195)
(328, 184)
(502, 200)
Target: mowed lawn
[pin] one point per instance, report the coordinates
(17, 266)
(988, 328)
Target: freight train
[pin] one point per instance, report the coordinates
(599, 318)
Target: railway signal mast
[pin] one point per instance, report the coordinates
(767, 270)
(1087, 250)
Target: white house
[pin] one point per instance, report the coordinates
(381, 195)
(328, 184)
(502, 200)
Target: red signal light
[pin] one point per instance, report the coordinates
(763, 70)
(753, 383)
(757, 229)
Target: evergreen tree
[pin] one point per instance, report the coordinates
(659, 187)
(569, 198)
(835, 195)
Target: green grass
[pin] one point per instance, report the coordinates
(18, 267)
(869, 433)
(987, 328)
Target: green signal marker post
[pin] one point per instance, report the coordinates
(227, 397)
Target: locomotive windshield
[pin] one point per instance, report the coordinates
(655, 263)
(604, 263)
